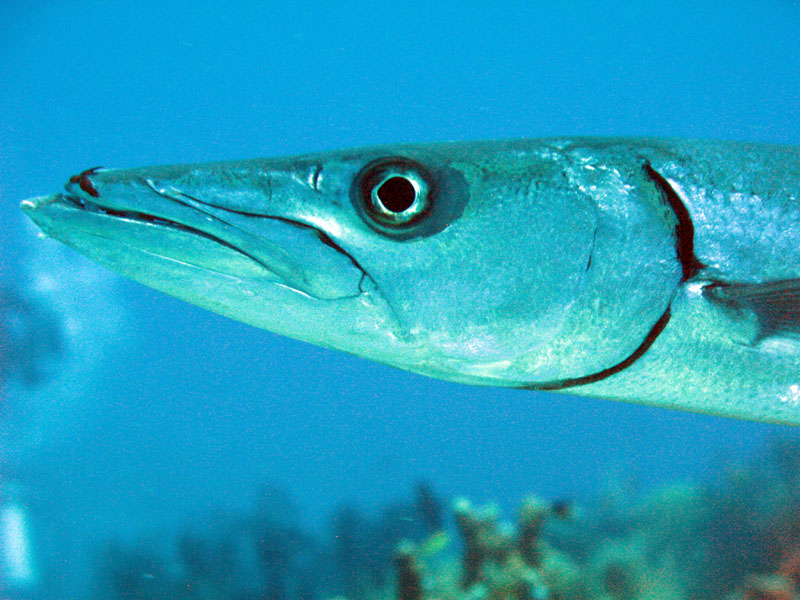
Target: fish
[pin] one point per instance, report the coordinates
(652, 271)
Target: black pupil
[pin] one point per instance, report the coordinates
(397, 194)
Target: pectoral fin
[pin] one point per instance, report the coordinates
(772, 307)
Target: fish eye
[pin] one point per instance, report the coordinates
(393, 192)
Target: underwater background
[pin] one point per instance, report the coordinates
(150, 449)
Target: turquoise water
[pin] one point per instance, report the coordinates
(150, 414)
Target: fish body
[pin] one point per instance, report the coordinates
(651, 271)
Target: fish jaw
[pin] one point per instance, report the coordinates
(273, 273)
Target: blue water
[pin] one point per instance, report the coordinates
(159, 411)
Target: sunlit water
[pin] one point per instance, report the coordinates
(156, 418)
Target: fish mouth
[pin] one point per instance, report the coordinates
(145, 218)
(123, 226)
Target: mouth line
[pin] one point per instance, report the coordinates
(131, 215)
(80, 202)
(321, 235)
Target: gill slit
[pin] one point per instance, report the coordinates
(690, 266)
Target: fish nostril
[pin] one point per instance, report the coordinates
(87, 187)
(82, 179)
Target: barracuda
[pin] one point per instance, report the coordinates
(650, 271)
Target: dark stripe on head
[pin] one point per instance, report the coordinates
(684, 230)
(562, 384)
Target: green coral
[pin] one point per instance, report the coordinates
(498, 561)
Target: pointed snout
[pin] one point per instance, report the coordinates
(120, 217)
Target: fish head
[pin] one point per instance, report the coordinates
(451, 260)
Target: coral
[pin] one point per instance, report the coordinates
(504, 562)
(736, 539)
(498, 561)
(620, 569)
(766, 587)
(617, 569)
(790, 565)
(495, 563)
(429, 507)
(364, 547)
(409, 582)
